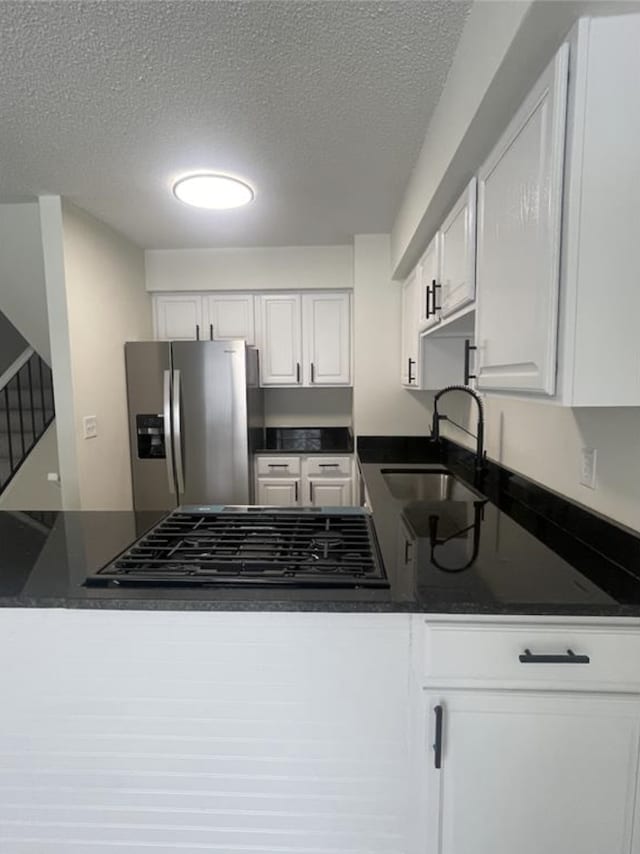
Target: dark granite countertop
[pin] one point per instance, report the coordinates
(45, 558)
(484, 562)
(307, 440)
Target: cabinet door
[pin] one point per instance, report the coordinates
(429, 292)
(406, 561)
(327, 339)
(279, 492)
(410, 348)
(330, 492)
(531, 773)
(229, 316)
(519, 219)
(280, 339)
(178, 317)
(458, 253)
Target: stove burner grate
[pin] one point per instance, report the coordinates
(225, 547)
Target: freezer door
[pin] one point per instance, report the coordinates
(210, 421)
(148, 396)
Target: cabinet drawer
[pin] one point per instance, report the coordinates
(528, 655)
(329, 465)
(277, 465)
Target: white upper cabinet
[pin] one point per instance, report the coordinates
(280, 339)
(216, 316)
(519, 222)
(429, 290)
(458, 255)
(178, 317)
(410, 344)
(599, 344)
(229, 316)
(326, 333)
(305, 339)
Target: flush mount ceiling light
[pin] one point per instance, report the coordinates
(213, 191)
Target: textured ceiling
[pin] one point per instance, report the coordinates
(322, 106)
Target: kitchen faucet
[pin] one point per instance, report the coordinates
(480, 463)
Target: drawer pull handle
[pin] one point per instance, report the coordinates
(329, 465)
(437, 744)
(570, 657)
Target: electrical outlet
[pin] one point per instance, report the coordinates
(90, 426)
(588, 467)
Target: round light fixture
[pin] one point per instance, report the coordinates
(213, 191)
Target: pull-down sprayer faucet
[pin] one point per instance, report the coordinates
(480, 462)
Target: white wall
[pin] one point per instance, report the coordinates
(380, 405)
(260, 268)
(23, 295)
(97, 301)
(544, 442)
(30, 489)
(308, 407)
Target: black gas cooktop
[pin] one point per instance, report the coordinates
(312, 547)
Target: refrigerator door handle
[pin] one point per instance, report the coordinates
(177, 432)
(167, 431)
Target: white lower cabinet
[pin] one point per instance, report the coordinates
(280, 492)
(528, 737)
(530, 773)
(319, 481)
(330, 492)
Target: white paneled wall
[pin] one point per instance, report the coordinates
(194, 732)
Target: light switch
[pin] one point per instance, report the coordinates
(90, 426)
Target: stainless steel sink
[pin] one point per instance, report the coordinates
(426, 485)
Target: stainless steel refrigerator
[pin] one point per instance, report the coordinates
(195, 419)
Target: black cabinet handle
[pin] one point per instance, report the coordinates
(437, 744)
(427, 302)
(278, 465)
(197, 331)
(328, 465)
(569, 657)
(468, 347)
(296, 489)
(297, 372)
(211, 332)
(434, 287)
(407, 550)
(313, 372)
(411, 362)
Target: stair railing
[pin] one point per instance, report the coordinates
(26, 410)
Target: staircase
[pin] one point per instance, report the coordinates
(26, 410)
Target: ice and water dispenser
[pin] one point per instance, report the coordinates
(150, 437)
